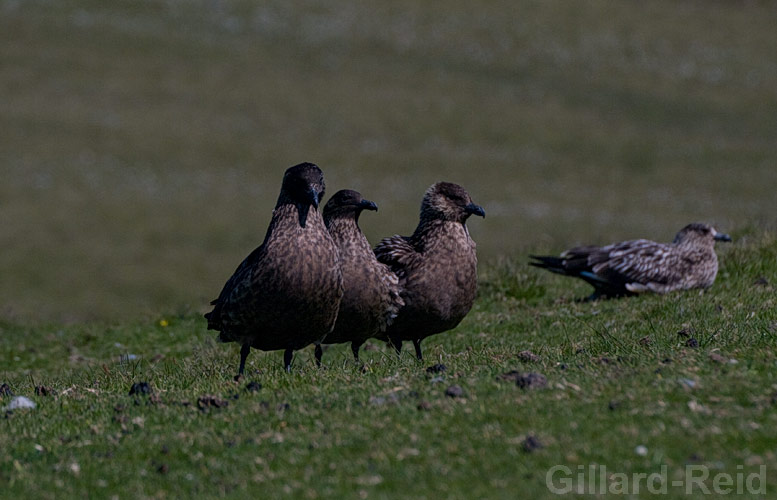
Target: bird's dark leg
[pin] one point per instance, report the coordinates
(417, 345)
(397, 343)
(244, 350)
(287, 355)
(355, 349)
(319, 353)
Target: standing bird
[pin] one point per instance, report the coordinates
(371, 297)
(437, 267)
(286, 293)
(637, 266)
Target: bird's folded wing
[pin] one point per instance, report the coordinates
(241, 274)
(396, 252)
(641, 261)
(393, 301)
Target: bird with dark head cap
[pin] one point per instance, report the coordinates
(285, 295)
(637, 266)
(371, 298)
(436, 265)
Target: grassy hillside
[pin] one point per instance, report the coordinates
(143, 143)
(632, 384)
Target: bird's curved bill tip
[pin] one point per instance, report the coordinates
(313, 194)
(722, 237)
(368, 205)
(473, 209)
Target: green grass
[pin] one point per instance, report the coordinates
(141, 153)
(340, 432)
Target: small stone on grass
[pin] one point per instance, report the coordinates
(528, 357)
(140, 388)
(207, 401)
(531, 380)
(42, 390)
(253, 387)
(531, 443)
(438, 368)
(454, 391)
(20, 402)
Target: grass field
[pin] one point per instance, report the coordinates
(141, 149)
(620, 374)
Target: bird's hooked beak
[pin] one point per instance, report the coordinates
(368, 205)
(473, 209)
(313, 197)
(722, 237)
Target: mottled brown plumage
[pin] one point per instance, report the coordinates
(437, 266)
(637, 266)
(286, 293)
(371, 297)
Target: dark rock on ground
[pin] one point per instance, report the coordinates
(454, 391)
(140, 388)
(531, 380)
(438, 368)
(253, 387)
(42, 390)
(531, 443)
(205, 402)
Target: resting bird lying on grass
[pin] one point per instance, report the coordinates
(285, 295)
(437, 267)
(638, 266)
(371, 297)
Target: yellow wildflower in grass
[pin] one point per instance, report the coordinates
(163, 322)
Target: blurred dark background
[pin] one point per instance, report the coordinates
(142, 143)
